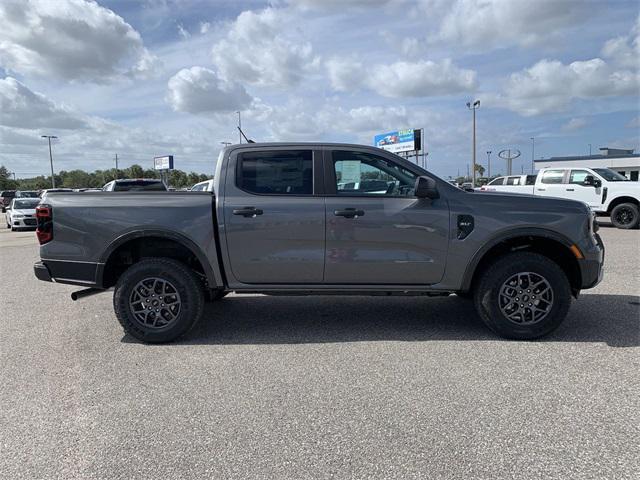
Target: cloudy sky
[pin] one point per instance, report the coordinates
(156, 77)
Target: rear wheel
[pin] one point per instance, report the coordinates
(523, 295)
(625, 216)
(158, 300)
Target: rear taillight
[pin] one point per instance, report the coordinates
(44, 215)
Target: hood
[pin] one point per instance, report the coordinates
(24, 211)
(503, 201)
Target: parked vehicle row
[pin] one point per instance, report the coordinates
(280, 223)
(606, 192)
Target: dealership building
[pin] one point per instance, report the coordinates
(622, 161)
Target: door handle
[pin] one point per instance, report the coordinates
(571, 189)
(247, 211)
(349, 213)
(541, 189)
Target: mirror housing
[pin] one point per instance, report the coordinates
(591, 181)
(426, 188)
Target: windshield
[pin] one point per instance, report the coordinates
(27, 194)
(25, 204)
(610, 176)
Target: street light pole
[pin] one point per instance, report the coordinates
(473, 107)
(226, 144)
(533, 151)
(488, 163)
(49, 137)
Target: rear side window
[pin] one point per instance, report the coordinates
(288, 172)
(497, 181)
(513, 181)
(553, 176)
(531, 180)
(8, 194)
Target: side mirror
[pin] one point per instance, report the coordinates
(426, 188)
(591, 181)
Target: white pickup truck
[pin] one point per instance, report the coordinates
(605, 191)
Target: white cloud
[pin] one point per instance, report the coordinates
(481, 24)
(204, 27)
(69, 39)
(23, 108)
(574, 124)
(633, 123)
(339, 4)
(624, 51)
(422, 78)
(183, 32)
(263, 49)
(550, 85)
(200, 90)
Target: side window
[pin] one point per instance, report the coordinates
(197, 188)
(578, 176)
(552, 176)
(288, 172)
(360, 173)
(497, 181)
(513, 181)
(634, 175)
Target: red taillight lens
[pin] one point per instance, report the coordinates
(44, 215)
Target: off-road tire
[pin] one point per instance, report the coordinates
(489, 284)
(627, 211)
(187, 285)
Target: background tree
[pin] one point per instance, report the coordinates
(6, 180)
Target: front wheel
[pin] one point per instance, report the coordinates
(523, 296)
(625, 216)
(158, 300)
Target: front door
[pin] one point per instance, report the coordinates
(577, 190)
(273, 222)
(378, 232)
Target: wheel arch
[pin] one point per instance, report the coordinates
(622, 199)
(155, 242)
(551, 244)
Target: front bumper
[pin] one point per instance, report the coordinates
(24, 222)
(591, 267)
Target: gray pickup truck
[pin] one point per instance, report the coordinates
(324, 219)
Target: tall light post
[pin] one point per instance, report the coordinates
(49, 137)
(533, 152)
(473, 107)
(488, 163)
(226, 144)
(589, 149)
(239, 126)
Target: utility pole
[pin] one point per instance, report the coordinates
(533, 152)
(488, 163)
(239, 126)
(589, 149)
(116, 166)
(226, 144)
(49, 137)
(467, 170)
(473, 107)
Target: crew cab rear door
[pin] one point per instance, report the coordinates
(378, 232)
(274, 222)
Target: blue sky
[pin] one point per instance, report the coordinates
(149, 78)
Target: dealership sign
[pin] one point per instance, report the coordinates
(163, 163)
(398, 141)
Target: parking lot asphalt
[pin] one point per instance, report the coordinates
(318, 387)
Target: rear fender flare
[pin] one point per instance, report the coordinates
(212, 279)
